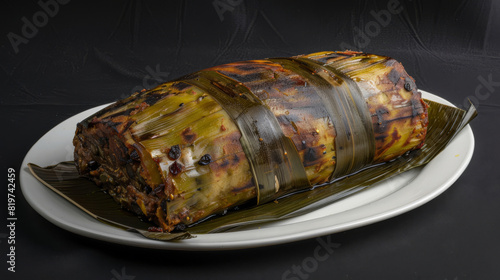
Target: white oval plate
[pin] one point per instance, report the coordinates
(385, 200)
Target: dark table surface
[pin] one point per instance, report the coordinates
(60, 58)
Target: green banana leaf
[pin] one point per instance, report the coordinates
(445, 122)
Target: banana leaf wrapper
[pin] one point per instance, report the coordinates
(252, 132)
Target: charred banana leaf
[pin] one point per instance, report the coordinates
(249, 133)
(445, 123)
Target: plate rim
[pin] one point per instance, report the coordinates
(236, 240)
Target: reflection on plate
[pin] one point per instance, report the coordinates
(387, 199)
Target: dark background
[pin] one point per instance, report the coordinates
(93, 52)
